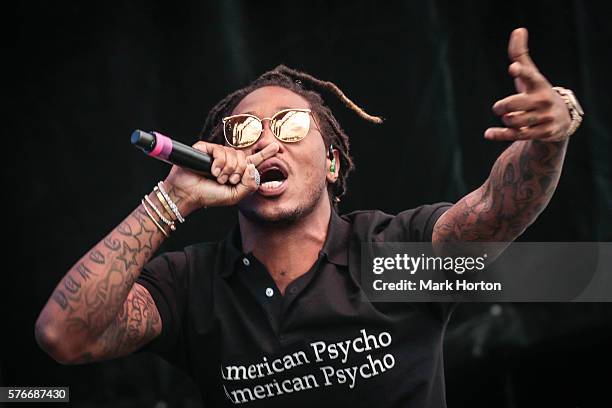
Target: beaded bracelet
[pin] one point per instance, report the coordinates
(153, 219)
(166, 221)
(169, 201)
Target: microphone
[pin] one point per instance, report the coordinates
(161, 147)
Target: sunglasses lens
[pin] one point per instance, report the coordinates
(242, 131)
(291, 126)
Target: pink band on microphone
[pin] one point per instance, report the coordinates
(163, 146)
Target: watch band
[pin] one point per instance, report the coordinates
(575, 110)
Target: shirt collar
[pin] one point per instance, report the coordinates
(336, 244)
(335, 248)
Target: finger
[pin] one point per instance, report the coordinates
(230, 165)
(520, 85)
(249, 183)
(218, 163)
(214, 150)
(514, 103)
(500, 134)
(517, 47)
(542, 131)
(240, 167)
(527, 74)
(203, 146)
(518, 120)
(267, 152)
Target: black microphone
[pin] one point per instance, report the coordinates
(163, 148)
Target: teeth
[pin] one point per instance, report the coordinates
(272, 184)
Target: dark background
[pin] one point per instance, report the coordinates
(83, 75)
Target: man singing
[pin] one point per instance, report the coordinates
(273, 314)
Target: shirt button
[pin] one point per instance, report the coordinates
(293, 290)
(269, 292)
(246, 261)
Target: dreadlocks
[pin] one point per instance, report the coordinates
(308, 87)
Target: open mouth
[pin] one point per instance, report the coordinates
(273, 180)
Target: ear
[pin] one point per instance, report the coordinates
(332, 176)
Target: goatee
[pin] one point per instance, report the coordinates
(282, 217)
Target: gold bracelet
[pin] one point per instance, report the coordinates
(153, 219)
(162, 200)
(166, 221)
(169, 201)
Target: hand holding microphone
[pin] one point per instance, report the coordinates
(235, 173)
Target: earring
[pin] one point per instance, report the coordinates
(332, 168)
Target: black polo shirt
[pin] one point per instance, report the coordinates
(226, 324)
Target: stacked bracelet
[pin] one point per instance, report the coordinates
(163, 202)
(167, 206)
(170, 203)
(166, 221)
(153, 218)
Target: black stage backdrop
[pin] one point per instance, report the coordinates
(85, 74)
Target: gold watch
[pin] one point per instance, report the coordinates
(575, 110)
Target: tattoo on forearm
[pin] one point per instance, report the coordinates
(96, 256)
(128, 255)
(100, 302)
(93, 293)
(71, 285)
(60, 299)
(84, 272)
(519, 187)
(112, 244)
(125, 229)
(145, 235)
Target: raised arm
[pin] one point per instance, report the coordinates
(525, 176)
(97, 311)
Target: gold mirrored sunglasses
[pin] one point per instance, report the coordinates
(288, 125)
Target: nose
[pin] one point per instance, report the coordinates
(265, 139)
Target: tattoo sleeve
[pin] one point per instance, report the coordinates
(96, 311)
(521, 183)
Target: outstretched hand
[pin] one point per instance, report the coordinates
(536, 111)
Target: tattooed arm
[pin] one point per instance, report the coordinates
(524, 177)
(96, 311)
(521, 184)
